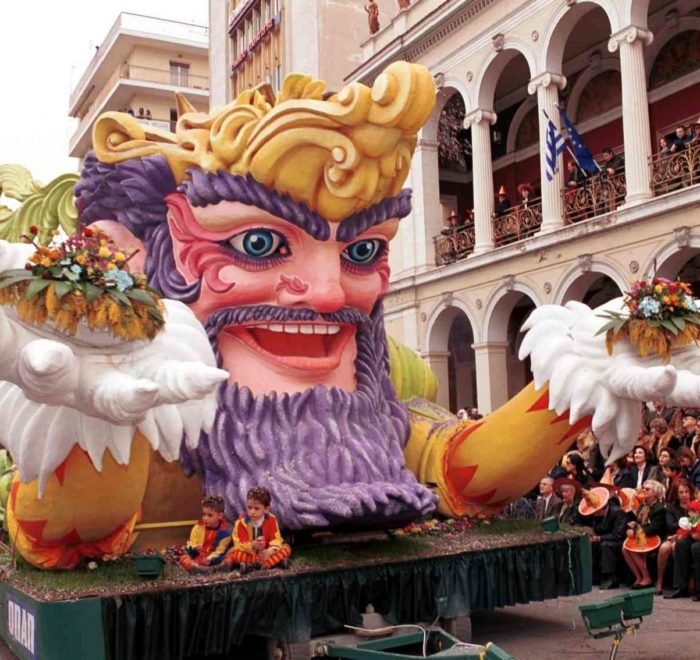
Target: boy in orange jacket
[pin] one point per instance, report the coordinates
(257, 542)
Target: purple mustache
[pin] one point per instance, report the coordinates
(274, 314)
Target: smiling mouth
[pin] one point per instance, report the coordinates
(306, 346)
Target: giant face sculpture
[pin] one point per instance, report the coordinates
(272, 219)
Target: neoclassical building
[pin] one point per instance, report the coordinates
(628, 74)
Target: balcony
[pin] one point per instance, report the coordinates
(600, 195)
(124, 82)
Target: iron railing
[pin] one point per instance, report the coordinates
(517, 223)
(671, 172)
(599, 195)
(455, 245)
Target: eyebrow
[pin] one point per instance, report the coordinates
(393, 207)
(205, 188)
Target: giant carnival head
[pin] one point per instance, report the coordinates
(272, 219)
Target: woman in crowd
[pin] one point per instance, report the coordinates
(618, 475)
(686, 457)
(642, 469)
(660, 437)
(576, 469)
(651, 517)
(664, 149)
(676, 509)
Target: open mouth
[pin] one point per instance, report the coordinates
(307, 346)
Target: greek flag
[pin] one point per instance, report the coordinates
(555, 145)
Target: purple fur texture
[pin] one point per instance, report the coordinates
(328, 456)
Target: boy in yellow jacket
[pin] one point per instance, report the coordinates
(257, 542)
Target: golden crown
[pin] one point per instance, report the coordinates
(338, 155)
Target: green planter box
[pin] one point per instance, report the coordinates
(38, 630)
(149, 566)
(603, 614)
(638, 603)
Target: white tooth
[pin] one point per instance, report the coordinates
(306, 329)
(321, 329)
(291, 329)
(276, 327)
(333, 329)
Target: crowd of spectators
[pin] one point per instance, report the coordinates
(642, 512)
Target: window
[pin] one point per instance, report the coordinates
(179, 74)
(173, 119)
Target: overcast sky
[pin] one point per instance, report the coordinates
(44, 48)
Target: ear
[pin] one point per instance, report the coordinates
(181, 221)
(126, 241)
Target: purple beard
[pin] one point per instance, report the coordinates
(329, 457)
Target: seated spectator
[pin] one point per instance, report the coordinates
(664, 148)
(680, 142)
(209, 539)
(672, 472)
(676, 508)
(654, 410)
(575, 176)
(694, 474)
(660, 436)
(687, 546)
(609, 528)
(576, 469)
(503, 204)
(690, 431)
(651, 520)
(612, 163)
(569, 490)
(617, 474)
(642, 470)
(548, 503)
(525, 192)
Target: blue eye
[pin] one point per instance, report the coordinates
(260, 243)
(364, 251)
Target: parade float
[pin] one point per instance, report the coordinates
(201, 312)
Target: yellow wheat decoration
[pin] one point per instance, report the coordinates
(102, 314)
(653, 341)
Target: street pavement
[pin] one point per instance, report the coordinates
(554, 629)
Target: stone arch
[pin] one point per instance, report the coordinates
(493, 67)
(606, 64)
(671, 257)
(525, 107)
(449, 339)
(499, 307)
(451, 87)
(576, 282)
(663, 37)
(635, 12)
(437, 326)
(560, 25)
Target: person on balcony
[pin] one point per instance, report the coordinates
(503, 204)
(575, 177)
(452, 225)
(525, 193)
(664, 147)
(695, 141)
(680, 142)
(611, 162)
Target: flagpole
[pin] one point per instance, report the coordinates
(568, 139)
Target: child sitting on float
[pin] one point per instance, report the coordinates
(210, 538)
(257, 542)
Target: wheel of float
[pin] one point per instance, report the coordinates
(283, 651)
(461, 628)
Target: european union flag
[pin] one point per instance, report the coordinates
(581, 152)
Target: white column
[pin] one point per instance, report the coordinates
(491, 375)
(437, 360)
(425, 215)
(482, 178)
(547, 86)
(635, 110)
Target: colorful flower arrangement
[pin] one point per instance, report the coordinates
(435, 527)
(83, 278)
(661, 315)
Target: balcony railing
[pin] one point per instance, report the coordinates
(179, 77)
(454, 245)
(600, 194)
(670, 172)
(517, 223)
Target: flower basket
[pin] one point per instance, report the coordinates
(83, 282)
(661, 316)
